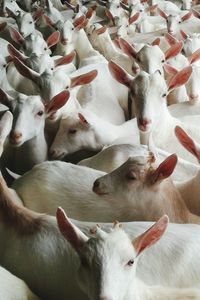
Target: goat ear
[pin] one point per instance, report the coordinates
(67, 59)
(180, 78)
(162, 13)
(110, 16)
(5, 98)
(120, 74)
(79, 21)
(101, 30)
(183, 34)
(53, 39)
(174, 50)
(16, 36)
(57, 102)
(83, 79)
(164, 170)
(89, 13)
(72, 233)
(156, 42)
(170, 70)
(134, 18)
(25, 71)
(15, 53)
(83, 120)
(195, 13)
(187, 142)
(127, 48)
(37, 14)
(151, 236)
(48, 20)
(5, 125)
(187, 16)
(151, 8)
(195, 56)
(170, 39)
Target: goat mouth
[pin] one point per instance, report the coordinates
(98, 192)
(64, 42)
(15, 143)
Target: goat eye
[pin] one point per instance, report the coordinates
(130, 176)
(179, 22)
(162, 61)
(130, 263)
(40, 113)
(164, 95)
(4, 66)
(72, 131)
(30, 22)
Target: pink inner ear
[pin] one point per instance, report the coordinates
(57, 102)
(74, 236)
(25, 71)
(53, 39)
(38, 13)
(79, 21)
(101, 30)
(134, 18)
(15, 53)
(127, 48)
(165, 169)
(83, 79)
(119, 74)
(82, 25)
(187, 141)
(173, 50)
(151, 236)
(83, 120)
(48, 20)
(89, 13)
(180, 78)
(110, 16)
(169, 69)
(170, 39)
(195, 13)
(16, 36)
(195, 56)
(65, 59)
(186, 16)
(156, 42)
(162, 13)
(183, 34)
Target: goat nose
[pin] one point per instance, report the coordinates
(194, 97)
(105, 298)
(96, 185)
(143, 123)
(15, 137)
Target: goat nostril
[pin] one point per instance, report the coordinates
(52, 152)
(96, 184)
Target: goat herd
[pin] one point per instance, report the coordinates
(100, 119)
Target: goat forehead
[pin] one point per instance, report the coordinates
(141, 83)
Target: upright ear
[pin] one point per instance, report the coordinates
(25, 71)
(183, 34)
(187, 142)
(101, 30)
(83, 120)
(180, 78)
(120, 74)
(67, 59)
(15, 53)
(195, 56)
(127, 48)
(162, 13)
(134, 18)
(151, 236)
(174, 50)
(110, 16)
(170, 70)
(53, 39)
(196, 13)
(170, 39)
(187, 16)
(48, 20)
(82, 25)
(5, 128)
(16, 36)
(72, 233)
(164, 170)
(79, 21)
(89, 13)
(57, 102)
(38, 13)
(83, 79)
(5, 98)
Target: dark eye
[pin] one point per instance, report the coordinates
(179, 22)
(45, 48)
(4, 66)
(130, 175)
(40, 113)
(72, 28)
(30, 22)
(162, 61)
(52, 69)
(164, 95)
(72, 131)
(130, 262)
